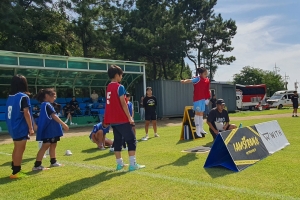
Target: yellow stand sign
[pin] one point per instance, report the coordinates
(188, 129)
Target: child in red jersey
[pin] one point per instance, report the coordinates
(118, 116)
(201, 95)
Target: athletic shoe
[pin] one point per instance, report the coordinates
(136, 167)
(111, 149)
(40, 168)
(125, 149)
(296, 116)
(203, 132)
(145, 138)
(44, 156)
(198, 136)
(156, 135)
(56, 165)
(101, 148)
(120, 167)
(71, 123)
(18, 175)
(293, 116)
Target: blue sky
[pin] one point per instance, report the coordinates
(268, 32)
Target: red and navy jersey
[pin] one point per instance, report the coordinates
(114, 113)
(201, 88)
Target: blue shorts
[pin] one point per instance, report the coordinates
(199, 106)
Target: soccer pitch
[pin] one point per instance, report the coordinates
(169, 173)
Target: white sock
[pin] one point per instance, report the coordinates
(66, 121)
(197, 124)
(120, 161)
(201, 124)
(132, 160)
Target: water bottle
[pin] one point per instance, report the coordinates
(241, 125)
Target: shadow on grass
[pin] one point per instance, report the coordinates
(6, 180)
(182, 161)
(23, 162)
(100, 156)
(79, 185)
(209, 144)
(91, 150)
(217, 172)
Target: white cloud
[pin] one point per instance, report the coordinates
(257, 43)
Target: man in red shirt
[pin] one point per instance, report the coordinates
(118, 116)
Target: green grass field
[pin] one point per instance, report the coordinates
(169, 173)
(264, 112)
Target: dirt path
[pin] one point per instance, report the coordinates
(5, 139)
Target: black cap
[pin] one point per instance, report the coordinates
(127, 94)
(220, 102)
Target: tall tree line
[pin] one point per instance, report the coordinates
(160, 32)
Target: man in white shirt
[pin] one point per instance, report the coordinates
(94, 97)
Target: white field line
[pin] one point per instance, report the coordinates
(185, 181)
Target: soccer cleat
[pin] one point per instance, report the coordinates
(156, 135)
(125, 149)
(145, 138)
(18, 175)
(56, 165)
(40, 168)
(136, 167)
(120, 167)
(203, 132)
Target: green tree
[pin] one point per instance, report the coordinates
(37, 26)
(218, 40)
(255, 76)
(249, 76)
(273, 81)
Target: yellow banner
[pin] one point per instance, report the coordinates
(230, 136)
(245, 162)
(251, 129)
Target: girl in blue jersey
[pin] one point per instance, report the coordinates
(49, 128)
(19, 121)
(98, 135)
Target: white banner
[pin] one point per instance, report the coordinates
(272, 136)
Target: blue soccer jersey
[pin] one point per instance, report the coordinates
(47, 126)
(98, 127)
(15, 120)
(130, 108)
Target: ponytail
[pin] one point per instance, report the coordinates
(40, 96)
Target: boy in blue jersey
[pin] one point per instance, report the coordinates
(131, 110)
(49, 128)
(19, 121)
(98, 135)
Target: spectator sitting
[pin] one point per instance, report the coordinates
(75, 106)
(68, 113)
(94, 97)
(57, 108)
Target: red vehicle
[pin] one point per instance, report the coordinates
(249, 96)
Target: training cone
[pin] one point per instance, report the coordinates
(68, 153)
